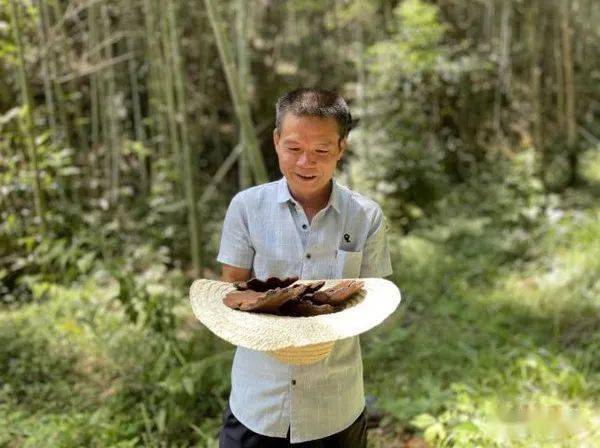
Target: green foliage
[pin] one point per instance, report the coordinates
(414, 75)
(142, 308)
(414, 50)
(76, 357)
(487, 342)
(98, 346)
(493, 348)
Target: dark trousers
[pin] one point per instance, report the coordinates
(235, 435)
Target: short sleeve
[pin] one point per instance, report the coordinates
(376, 260)
(236, 248)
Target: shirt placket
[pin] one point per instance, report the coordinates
(314, 252)
(314, 260)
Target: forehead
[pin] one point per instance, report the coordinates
(302, 127)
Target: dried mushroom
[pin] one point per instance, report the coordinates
(282, 297)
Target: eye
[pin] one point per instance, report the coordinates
(322, 151)
(294, 149)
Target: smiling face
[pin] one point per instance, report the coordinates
(308, 149)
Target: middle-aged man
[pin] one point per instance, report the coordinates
(304, 225)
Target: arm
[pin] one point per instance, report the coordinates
(236, 252)
(376, 260)
(234, 274)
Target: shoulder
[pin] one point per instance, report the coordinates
(256, 195)
(356, 203)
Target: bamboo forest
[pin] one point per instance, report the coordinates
(127, 127)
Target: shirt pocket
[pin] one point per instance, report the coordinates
(348, 264)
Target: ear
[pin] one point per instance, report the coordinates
(275, 138)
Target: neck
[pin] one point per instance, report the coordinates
(316, 201)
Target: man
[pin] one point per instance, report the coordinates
(309, 226)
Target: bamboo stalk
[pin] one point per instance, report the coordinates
(244, 175)
(111, 118)
(107, 63)
(53, 69)
(188, 159)
(78, 112)
(570, 119)
(49, 97)
(38, 197)
(72, 11)
(566, 32)
(560, 82)
(239, 100)
(533, 12)
(154, 88)
(103, 108)
(169, 92)
(361, 94)
(211, 189)
(204, 57)
(488, 20)
(138, 125)
(231, 158)
(72, 183)
(504, 65)
(94, 98)
(387, 17)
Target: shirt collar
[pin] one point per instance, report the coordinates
(284, 195)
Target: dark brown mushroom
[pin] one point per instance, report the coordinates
(304, 307)
(263, 302)
(256, 284)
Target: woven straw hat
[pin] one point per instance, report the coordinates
(293, 340)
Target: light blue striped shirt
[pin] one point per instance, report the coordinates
(267, 231)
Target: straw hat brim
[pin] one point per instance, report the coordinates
(267, 332)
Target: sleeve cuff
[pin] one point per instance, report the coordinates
(238, 262)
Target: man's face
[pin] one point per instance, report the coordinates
(308, 149)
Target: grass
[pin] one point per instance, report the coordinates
(495, 344)
(489, 352)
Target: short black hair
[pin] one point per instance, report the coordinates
(314, 102)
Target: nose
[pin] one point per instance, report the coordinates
(305, 159)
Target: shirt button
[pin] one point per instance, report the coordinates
(293, 382)
(308, 256)
(304, 226)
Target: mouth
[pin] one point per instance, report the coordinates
(305, 178)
